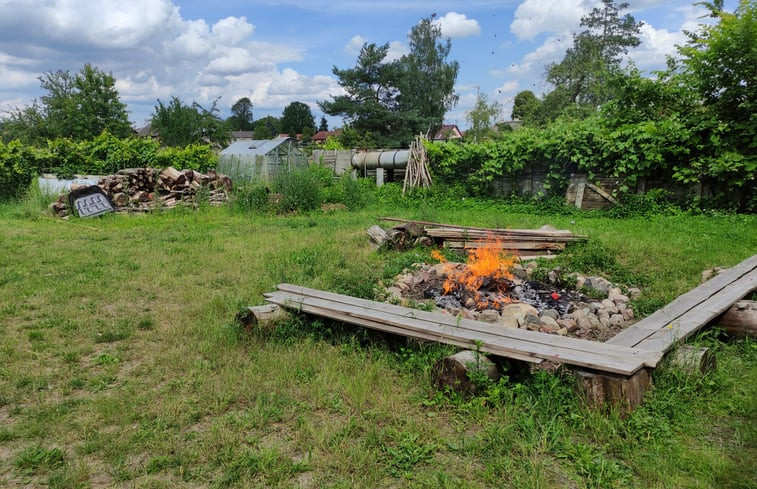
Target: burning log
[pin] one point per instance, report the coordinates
(740, 321)
(455, 371)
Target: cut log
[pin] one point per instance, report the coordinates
(454, 371)
(377, 236)
(740, 321)
(120, 200)
(261, 317)
(692, 360)
(619, 391)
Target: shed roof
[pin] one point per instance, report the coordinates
(254, 147)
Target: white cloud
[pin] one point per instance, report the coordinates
(397, 50)
(355, 44)
(508, 86)
(533, 17)
(455, 25)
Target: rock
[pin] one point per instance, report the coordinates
(580, 282)
(489, 316)
(546, 328)
(510, 321)
(708, 274)
(470, 303)
(609, 306)
(616, 320)
(605, 320)
(393, 293)
(553, 277)
(562, 331)
(584, 323)
(614, 290)
(519, 272)
(634, 293)
(596, 324)
(532, 265)
(598, 283)
(376, 234)
(519, 307)
(551, 313)
(568, 324)
(618, 298)
(531, 322)
(549, 321)
(438, 270)
(595, 306)
(627, 314)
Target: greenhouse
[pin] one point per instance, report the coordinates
(260, 159)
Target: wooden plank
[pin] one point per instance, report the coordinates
(581, 188)
(639, 331)
(523, 232)
(531, 341)
(663, 339)
(601, 192)
(490, 343)
(508, 245)
(519, 334)
(472, 234)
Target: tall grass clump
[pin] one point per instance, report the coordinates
(252, 197)
(301, 189)
(353, 193)
(34, 202)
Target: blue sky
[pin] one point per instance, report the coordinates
(276, 53)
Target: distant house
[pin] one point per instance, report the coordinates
(448, 132)
(147, 132)
(321, 136)
(241, 136)
(260, 160)
(297, 137)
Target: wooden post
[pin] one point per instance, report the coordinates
(606, 389)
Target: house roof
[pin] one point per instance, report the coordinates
(322, 135)
(447, 131)
(237, 135)
(254, 147)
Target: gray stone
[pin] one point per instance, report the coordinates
(568, 324)
(627, 314)
(519, 307)
(532, 265)
(616, 320)
(584, 323)
(597, 283)
(393, 293)
(489, 316)
(551, 313)
(618, 298)
(605, 320)
(562, 331)
(532, 322)
(519, 272)
(438, 270)
(510, 321)
(614, 290)
(549, 321)
(634, 293)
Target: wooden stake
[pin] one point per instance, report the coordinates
(600, 390)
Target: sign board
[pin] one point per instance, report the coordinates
(90, 201)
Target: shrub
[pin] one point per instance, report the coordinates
(252, 197)
(18, 166)
(301, 190)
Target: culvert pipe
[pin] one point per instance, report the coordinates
(387, 160)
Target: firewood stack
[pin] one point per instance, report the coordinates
(144, 189)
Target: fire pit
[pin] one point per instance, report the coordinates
(492, 286)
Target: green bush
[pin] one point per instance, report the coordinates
(353, 193)
(18, 166)
(251, 198)
(301, 190)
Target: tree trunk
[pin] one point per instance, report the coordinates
(261, 317)
(740, 321)
(453, 371)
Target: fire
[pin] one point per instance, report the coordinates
(487, 266)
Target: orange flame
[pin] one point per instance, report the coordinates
(486, 264)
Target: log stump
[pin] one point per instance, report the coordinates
(453, 371)
(692, 360)
(740, 321)
(264, 317)
(601, 390)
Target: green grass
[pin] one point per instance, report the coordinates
(122, 367)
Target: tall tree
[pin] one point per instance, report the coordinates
(267, 127)
(581, 77)
(178, 124)
(77, 106)
(525, 106)
(370, 103)
(241, 116)
(721, 63)
(296, 117)
(481, 118)
(428, 78)
(323, 125)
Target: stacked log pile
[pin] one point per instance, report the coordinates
(143, 189)
(522, 242)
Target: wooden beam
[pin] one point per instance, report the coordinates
(639, 331)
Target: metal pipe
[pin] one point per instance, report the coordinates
(388, 160)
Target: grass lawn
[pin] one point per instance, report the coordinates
(121, 366)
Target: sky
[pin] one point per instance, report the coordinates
(280, 52)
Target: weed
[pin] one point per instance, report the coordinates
(35, 459)
(406, 452)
